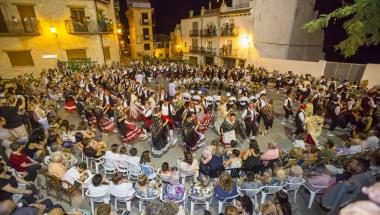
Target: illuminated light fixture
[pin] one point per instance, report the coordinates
(245, 41)
(118, 30)
(49, 56)
(177, 46)
(53, 29)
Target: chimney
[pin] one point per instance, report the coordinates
(203, 11)
(191, 13)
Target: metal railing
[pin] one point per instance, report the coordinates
(27, 26)
(194, 33)
(193, 49)
(226, 52)
(209, 51)
(105, 1)
(241, 5)
(102, 26)
(202, 50)
(229, 31)
(208, 33)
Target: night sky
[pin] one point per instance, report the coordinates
(168, 13)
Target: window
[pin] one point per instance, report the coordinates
(20, 58)
(77, 14)
(76, 54)
(209, 44)
(144, 19)
(106, 52)
(146, 46)
(146, 33)
(184, 44)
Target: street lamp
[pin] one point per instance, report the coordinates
(118, 30)
(53, 29)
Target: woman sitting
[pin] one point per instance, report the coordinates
(57, 167)
(202, 188)
(268, 180)
(249, 182)
(188, 166)
(295, 175)
(22, 163)
(211, 165)
(94, 149)
(145, 190)
(173, 192)
(99, 187)
(226, 187)
(251, 159)
(120, 187)
(244, 205)
(167, 174)
(234, 162)
(280, 205)
(271, 154)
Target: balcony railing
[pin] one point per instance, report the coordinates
(227, 31)
(209, 51)
(105, 1)
(27, 26)
(194, 33)
(241, 5)
(202, 50)
(226, 52)
(208, 33)
(102, 26)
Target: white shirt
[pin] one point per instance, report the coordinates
(372, 142)
(288, 100)
(165, 110)
(121, 190)
(101, 190)
(350, 104)
(139, 78)
(131, 159)
(172, 90)
(252, 113)
(71, 175)
(301, 115)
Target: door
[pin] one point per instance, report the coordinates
(3, 25)
(229, 47)
(194, 44)
(195, 25)
(28, 18)
(209, 60)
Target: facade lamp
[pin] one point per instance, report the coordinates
(53, 29)
(118, 30)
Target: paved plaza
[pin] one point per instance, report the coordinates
(279, 133)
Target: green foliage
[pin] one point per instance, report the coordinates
(362, 26)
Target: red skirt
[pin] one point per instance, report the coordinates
(205, 123)
(166, 117)
(106, 124)
(147, 122)
(70, 104)
(133, 132)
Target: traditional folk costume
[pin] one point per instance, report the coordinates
(220, 116)
(128, 130)
(229, 129)
(104, 122)
(204, 118)
(288, 104)
(189, 133)
(265, 113)
(70, 104)
(249, 116)
(300, 120)
(90, 115)
(160, 136)
(167, 113)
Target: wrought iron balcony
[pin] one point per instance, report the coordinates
(195, 50)
(105, 1)
(209, 33)
(102, 26)
(228, 53)
(209, 51)
(29, 26)
(194, 33)
(228, 31)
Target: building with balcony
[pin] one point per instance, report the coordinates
(37, 34)
(161, 46)
(215, 35)
(140, 21)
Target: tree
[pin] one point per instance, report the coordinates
(362, 25)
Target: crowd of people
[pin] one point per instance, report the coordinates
(167, 104)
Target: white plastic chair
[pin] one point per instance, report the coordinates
(294, 187)
(200, 201)
(269, 190)
(85, 182)
(134, 171)
(97, 199)
(252, 193)
(110, 165)
(142, 200)
(314, 190)
(221, 203)
(97, 162)
(126, 199)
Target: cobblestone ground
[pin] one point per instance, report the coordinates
(279, 133)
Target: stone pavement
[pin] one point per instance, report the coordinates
(276, 134)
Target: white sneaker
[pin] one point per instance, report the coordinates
(283, 122)
(330, 134)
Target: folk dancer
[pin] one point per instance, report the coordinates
(249, 116)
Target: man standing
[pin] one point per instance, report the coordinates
(300, 120)
(288, 104)
(167, 111)
(250, 118)
(335, 112)
(172, 88)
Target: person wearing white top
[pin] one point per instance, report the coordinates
(75, 174)
(120, 187)
(99, 187)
